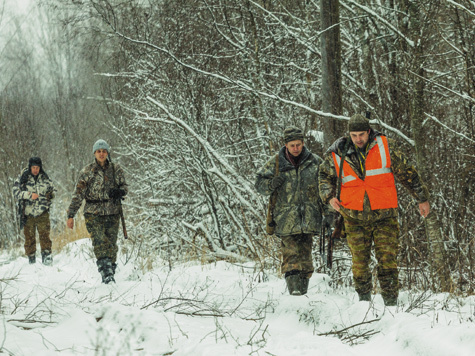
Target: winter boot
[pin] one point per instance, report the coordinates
(293, 281)
(32, 259)
(303, 285)
(106, 270)
(46, 257)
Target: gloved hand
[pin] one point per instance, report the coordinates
(328, 221)
(49, 195)
(276, 182)
(116, 193)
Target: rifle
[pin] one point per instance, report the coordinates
(121, 211)
(270, 223)
(21, 202)
(328, 257)
(335, 234)
(122, 219)
(21, 213)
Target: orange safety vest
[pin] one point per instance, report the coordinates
(379, 182)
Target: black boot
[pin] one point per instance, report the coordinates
(294, 282)
(106, 270)
(46, 257)
(32, 259)
(365, 297)
(303, 285)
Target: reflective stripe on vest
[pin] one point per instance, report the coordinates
(378, 184)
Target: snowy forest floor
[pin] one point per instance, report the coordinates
(213, 309)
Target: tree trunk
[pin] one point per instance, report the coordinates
(439, 266)
(331, 68)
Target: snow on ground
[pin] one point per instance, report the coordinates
(215, 309)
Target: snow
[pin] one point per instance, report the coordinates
(214, 309)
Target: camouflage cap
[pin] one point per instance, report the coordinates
(292, 133)
(358, 123)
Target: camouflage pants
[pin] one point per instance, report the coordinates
(297, 254)
(33, 223)
(384, 236)
(103, 230)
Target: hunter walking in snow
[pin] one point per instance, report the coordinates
(293, 175)
(34, 191)
(368, 201)
(102, 184)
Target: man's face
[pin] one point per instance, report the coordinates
(101, 155)
(295, 147)
(359, 138)
(35, 170)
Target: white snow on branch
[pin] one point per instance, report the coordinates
(448, 128)
(250, 89)
(213, 155)
(383, 21)
(460, 6)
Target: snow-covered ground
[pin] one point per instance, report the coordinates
(215, 309)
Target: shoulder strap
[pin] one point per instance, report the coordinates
(24, 179)
(113, 174)
(338, 184)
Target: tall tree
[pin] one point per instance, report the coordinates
(418, 28)
(331, 68)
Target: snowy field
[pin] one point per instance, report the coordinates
(216, 309)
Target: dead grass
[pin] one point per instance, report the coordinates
(65, 236)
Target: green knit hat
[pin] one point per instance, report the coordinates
(292, 133)
(358, 123)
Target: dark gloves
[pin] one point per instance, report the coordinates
(116, 193)
(328, 221)
(276, 182)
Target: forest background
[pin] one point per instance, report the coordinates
(193, 97)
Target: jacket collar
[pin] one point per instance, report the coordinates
(339, 145)
(285, 165)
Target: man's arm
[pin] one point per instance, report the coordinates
(21, 194)
(327, 181)
(409, 177)
(264, 177)
(78, 195)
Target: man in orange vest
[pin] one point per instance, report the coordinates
(368, 201)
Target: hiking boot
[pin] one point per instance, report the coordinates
(365, 297)
(106, 269)
(46, 257)
(32, 259)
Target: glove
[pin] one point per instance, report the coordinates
(328, 221)
(49, 195)
(116, 193)
(276, 182)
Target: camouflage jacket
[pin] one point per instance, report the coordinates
(298, 209)
(41, 184)
(403, 171)
(93, 185)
